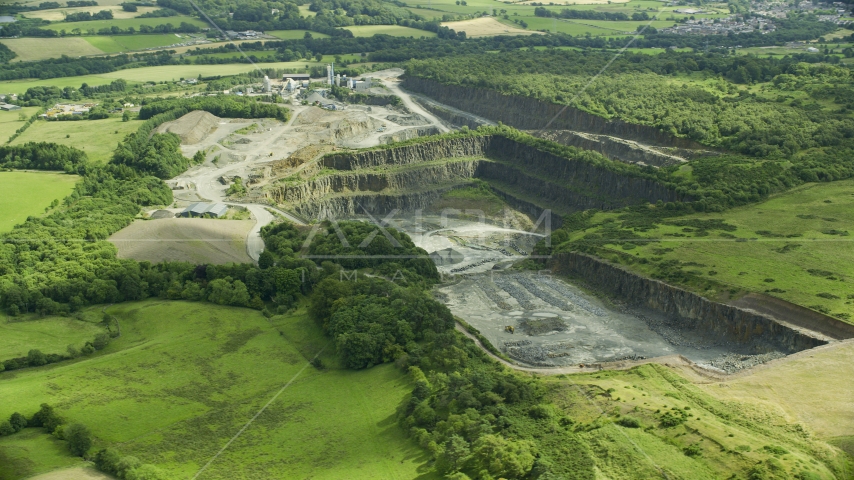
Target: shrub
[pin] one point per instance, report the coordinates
(18, 421)
(6, 428)
(692, 450)
(629, 422)
(79, 439)
(35, 358)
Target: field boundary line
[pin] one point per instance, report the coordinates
(251, 420)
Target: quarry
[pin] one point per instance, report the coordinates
(570, 309)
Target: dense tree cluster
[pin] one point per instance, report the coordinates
(87, 16)
(43, 156)
(584, 14)
(726, 117)
(373, 321)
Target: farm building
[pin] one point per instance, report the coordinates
(200, 209)
(7, 107)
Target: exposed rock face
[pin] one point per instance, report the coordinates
(371, 181)
(734, 324)
(527, 113)
(408, 134)
(341, 206)
(408, 154)
(524, 175)
(613, 148)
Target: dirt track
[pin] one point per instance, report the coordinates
(354, 128)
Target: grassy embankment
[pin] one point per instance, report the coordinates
(29, 194)
(795, 245)
(185, 377)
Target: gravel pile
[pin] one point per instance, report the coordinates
(530, 354)
(733, 362)
(472, 265)
(517, 343)
(630, 357)
(516, 247)
(573, 297)
(542, 326)
(492, 293)
(516, 292)
(542, 294)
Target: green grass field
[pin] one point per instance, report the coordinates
(11, 121)
(30, 49)
(294, 34)
(726, 438)
(183, 378)
(393, 30)
(29, 193)
(32, 452)
(98, 138)
(50, 334)
(125, 43)
(797, 246)
(124, 24)
(21, 86)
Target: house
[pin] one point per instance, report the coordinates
(200, 209)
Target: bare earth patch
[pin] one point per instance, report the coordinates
(195, 240)
(486, 27)
(76, 473)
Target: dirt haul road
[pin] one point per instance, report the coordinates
(205, 177)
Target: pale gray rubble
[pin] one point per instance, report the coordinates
(493, 301)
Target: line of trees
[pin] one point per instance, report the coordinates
(87, 16)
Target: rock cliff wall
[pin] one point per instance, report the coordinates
(397, 181)
(527, 113)
(343, 206)
(747, 328)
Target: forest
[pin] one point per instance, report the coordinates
(677, 93)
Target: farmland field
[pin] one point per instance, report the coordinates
(196, 240)
(10, 121)
(58, 14)
(393, 30)
(125, 43)
(124, 24)
(50, 335)
(98, 138)
(29, 193)
(21, 86)
(183, 378)
(41, 48)
(294, 34)
(485, 27)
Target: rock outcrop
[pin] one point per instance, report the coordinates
(525, 176)
(738, 326)
(526, 113)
